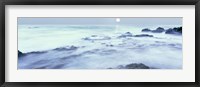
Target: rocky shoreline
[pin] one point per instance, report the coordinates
(175, 30)
(127, 41)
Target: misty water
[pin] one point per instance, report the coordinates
(96, 47)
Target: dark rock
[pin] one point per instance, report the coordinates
(127, 34)
(66, 49)
(170, 31)
(109, 68)
(36, 52)
(133, 66)
(109, 45)
(136, 66)
(93, 35)
(86, 38)
(158, 30)
(20, 53)
(176, 30)
(146, 30)
(143, 35)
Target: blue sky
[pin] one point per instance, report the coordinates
(101, 21)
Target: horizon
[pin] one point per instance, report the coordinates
(102, 21)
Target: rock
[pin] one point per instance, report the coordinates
(143, 35)
(133, 66)
(146, 30)
(20, 53)
(127, 34)
(136, 66)
(93, 35)
(158, 30)
(170, 31)
(36, 52)
(86, 38)
(176, 30)
(109, 45)
(66, 49)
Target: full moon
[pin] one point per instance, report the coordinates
(117, 19)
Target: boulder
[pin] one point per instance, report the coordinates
(127, 34)
(158, 30)
(143, 35)
(136, 66)
(175, 30)
(178, 29)
(146, 30)
(133, 66)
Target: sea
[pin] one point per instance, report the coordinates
(97, 47)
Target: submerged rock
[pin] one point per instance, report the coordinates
(109, 45)
(146, 30)
(95, 37)
(66, 49)
(36, 52)
(143, 35)
(158, 30)
(127, 34)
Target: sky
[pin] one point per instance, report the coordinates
(100, 21)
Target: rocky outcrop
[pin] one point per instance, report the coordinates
(136, 66)
(146, 30)
(176, 30)
(127, 34)
(143, 35)
(158, 30)
(20, 53)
